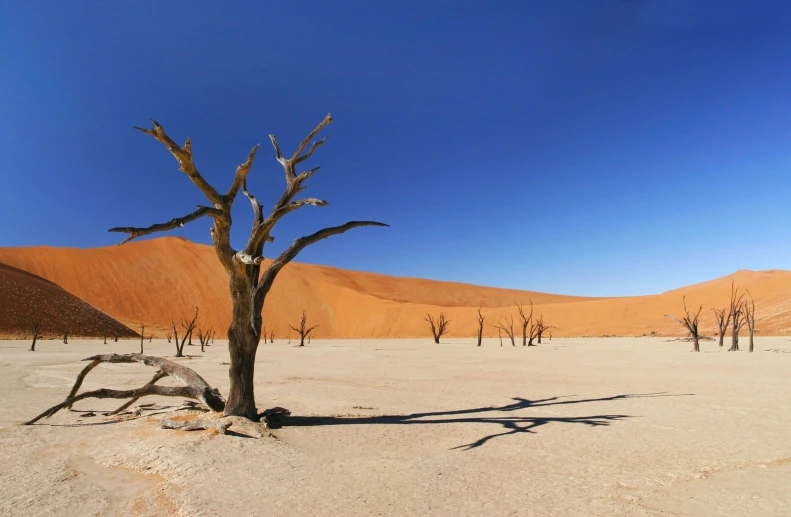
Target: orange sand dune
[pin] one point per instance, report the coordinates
(25, 297)
(157, 280)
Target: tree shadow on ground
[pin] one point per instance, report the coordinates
(512, 424)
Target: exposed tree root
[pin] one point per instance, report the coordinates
(194, 385)
(196, 425)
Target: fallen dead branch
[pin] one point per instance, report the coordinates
(194, 385)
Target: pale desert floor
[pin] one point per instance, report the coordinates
(614, 426)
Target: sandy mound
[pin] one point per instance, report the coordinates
(157, 280)
(25, 296)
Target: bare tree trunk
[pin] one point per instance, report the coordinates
(695, 343)
(34, 326)
(142, 332)
(66, 338)
(115, 337)
(272, 337)
(243, 339)
(734, 341)
(105, 338)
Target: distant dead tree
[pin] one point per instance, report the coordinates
(439, 326)
(204, 338)
(249, 278)
(507, 326)
(169, 336)
(526, 320)
(480, 326)
(736, 316)
(189, 327)
(35, 328)
(541, 327)
(303, 330)
(272, 336)
(150, 337)
(142, 334)
(105, 336)
(723, 320)
(115, 337)
(532, 332)
(500, 335)
(749, 318)
(66, 338)
(690, 322)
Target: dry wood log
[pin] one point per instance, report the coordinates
(194, 385)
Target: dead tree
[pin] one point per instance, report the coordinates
(736, 317)
(526, 320)
(66, 338)
(249, 282)
(439, 327)
(35, 328)
(480, 326)
(749, 319)
(115, 337)
(723, 320)
(507, 326)
(541, 327)
(169, 336)
(500, 335)
(532, 333)
(105, 337)
(188, 326)
(194, 385)
(204, 338)
(142, 334)
(303, 330)
(690, 322)
(272, 336)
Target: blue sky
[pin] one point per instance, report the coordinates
(592, 148)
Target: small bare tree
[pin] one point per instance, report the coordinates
(749, 318)
(105, 336)
(272, 336)
(189, 327)
(500, 335)
(541, 327)
(169, 336)
(115, 337)
(526, 320)
(66, 337)
(507, 326)
(723, 320)
(35, 328)
(204, 338)
(690, 322)
(480, 326)
(532, 333)
(142, 334)
(303, 330)
(736, 316)
(439, 327)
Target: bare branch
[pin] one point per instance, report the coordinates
(297, 158)
(241, 176)
(183, 156)
(292, 251)
(312, 149)
(194, 385)
(178, 222)
(257, 209)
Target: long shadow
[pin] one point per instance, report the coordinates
(511, 424)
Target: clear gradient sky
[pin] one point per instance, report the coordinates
(579, 147)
